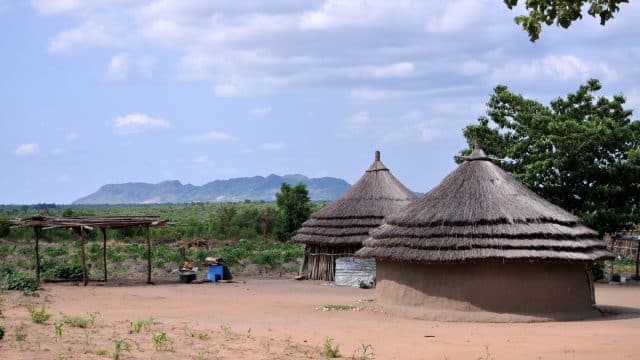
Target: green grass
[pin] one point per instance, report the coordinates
(140, 325)
(161, 342)
(329, 349)
(81, 321)
(332, 307)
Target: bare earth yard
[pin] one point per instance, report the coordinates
(279, 319)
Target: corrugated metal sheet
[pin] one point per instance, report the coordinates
(351, 270)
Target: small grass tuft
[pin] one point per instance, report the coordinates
(332, 307)
(329, 350)
(138, 326)
(365, 352)
(204, 336)
(161, 342)
(226, 329)
(120, 346)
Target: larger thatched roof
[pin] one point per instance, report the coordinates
(479, 212)
(348, 220)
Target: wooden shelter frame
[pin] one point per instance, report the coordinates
(79, 226)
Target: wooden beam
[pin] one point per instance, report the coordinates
(36, 230)
(146, 229)
(104, 251)
(85, 276)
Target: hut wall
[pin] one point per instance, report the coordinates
(350, 271)
(321, 260)
(548, 290)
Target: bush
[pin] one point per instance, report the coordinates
(598, 270)
(1, 332)
(20, 281)
(71, 272)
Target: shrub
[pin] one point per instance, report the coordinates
(1, 332)
(63, 272)
(598, 270)
(19, 281)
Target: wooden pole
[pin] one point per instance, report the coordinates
(85, 276)
(36, 230)
(146, 229)
(104, 252)
(637, 275)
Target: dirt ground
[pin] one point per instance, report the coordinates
(280, 319)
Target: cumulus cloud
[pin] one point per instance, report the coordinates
(272, 146)
(138, 123)
(121, 66)
(26, 149)
(209, 136)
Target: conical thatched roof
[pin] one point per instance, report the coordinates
(480, 212)
(348, 220)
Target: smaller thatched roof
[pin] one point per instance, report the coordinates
(348, 220)
(480, 212)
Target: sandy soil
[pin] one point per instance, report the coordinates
(279, 319)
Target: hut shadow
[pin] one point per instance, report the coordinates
(614, 312)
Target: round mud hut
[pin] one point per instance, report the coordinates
(338, 229)
(481, 246)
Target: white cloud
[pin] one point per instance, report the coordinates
(225, 90)
(64, 178)
(272, 146)
(72, 136)
(456, 15)
(137, 123)
(209, 136)
(202, 160)
(121, 66)
(26, 149)
(552, 67)
(56, 151)
(260, 111)
(87, 34)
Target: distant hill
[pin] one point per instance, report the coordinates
(238, 189)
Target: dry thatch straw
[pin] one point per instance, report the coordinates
(348, 220)
(479, 212)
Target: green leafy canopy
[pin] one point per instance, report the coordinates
(294, 206)
(580, 152)
(561, 12)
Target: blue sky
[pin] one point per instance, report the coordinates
(109, 91)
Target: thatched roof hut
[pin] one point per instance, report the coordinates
(484, 241)
(339, 228)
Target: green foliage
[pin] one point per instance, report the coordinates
(364, 285)
(57, 328)
(204, 336)
(145, 324)
(81, 321)
(329, 350)
(582, 153)
(332, 307)
(120, 346)
(561, 12)
(38, 316)
(4, 228)
(161, 342)
(1, 332)
(19, 281)
(294, 207)
(597, 269)
(55, 271)
(226, 329)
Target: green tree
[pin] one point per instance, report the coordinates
(294, 207)
(581, 152)
(561, 12)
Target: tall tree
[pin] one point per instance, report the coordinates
(294, 206)
(561, 12)
(580, 152)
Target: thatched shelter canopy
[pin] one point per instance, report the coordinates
(81, 224)
(348, 220)
(479, 212)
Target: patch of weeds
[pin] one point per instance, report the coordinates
(19, 281)
(82, 322)
(329, 350)
(201, 355)
(204, 336)
(145, 324)
(39, 316)
(57, 327)
(161, 342)
(120, 346)
(1, 332)
(365, 352)
(226, 329)
(364, 285)
(331, 307)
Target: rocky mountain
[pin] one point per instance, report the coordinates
(238, 189)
